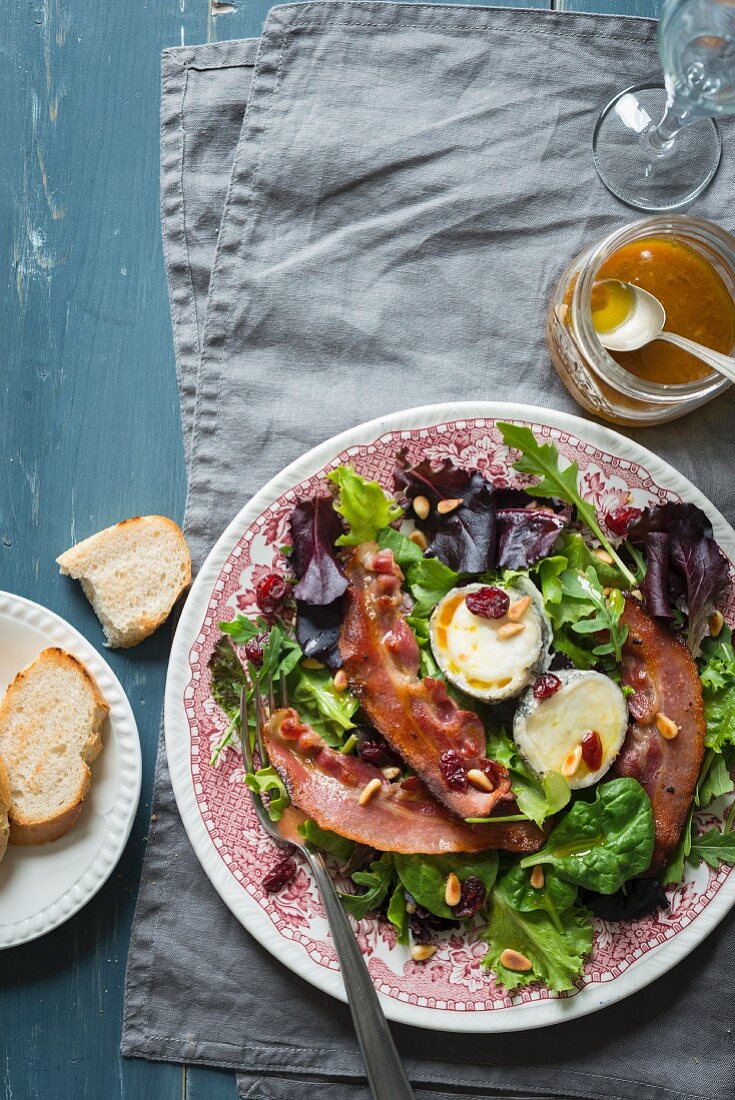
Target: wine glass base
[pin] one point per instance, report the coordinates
(631, 169)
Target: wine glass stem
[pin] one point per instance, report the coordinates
(662, 138)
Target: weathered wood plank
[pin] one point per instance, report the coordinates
(210, 1084)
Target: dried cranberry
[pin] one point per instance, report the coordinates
(618, 520)
(283, 873)
(546, 686)
(488, 603)
(373, 748)
(420, 933)
(592, 750)
(270, 593)
(472, 899)
(254, 649)
(453, 770)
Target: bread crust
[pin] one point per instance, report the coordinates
(25, 830)
(4, 808)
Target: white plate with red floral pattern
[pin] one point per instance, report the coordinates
(450, 992)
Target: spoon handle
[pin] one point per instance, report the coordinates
(723, 364)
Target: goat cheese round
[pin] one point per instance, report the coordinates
(491, 658)
(578, 730)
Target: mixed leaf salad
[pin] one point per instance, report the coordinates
(585, 648)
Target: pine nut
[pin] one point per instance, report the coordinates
(513, 960)
(716, 623)
(410, 908)
(571, 763)
(369, 791)
(637, 594)
(453, 890)
(310, 662)
(421, 507)
(509, 630)
(391, 773)
(537, 877)
(340, 680)
(444, 507)
(480, 780)
(607, 591)
(422, 951)
(603, 556)
(517, 610)
(419, 539)
(668, 729)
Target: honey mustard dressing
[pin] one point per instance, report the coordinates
(697, 303)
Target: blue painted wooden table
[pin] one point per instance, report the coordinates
(91, 434)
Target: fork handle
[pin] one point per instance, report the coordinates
(384, 1068)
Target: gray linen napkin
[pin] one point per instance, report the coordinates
(407, 184)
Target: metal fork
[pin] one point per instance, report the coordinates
(385, 1071)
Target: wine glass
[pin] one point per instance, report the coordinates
(664, 166)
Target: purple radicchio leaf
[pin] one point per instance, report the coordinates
(656, 584)
(527, 534)
(317, 631)
(465, 538)
(315, 527)
(694, 556)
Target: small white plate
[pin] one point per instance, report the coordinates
(44, 885)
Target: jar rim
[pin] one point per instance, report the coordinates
(692, 230)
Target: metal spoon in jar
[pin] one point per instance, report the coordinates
(644, 322)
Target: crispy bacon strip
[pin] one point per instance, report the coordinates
(401, 817)
(658, 665)
(417, 717)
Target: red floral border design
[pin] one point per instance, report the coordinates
(453, 979)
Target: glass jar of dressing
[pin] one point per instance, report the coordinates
(689, 265)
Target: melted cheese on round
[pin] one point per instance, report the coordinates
(547, 731)
(475, 657)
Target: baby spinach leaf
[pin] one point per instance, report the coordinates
(429, 580)
(268, 781)
(636, 899)
(555, 896)
(557, 957)
(542, 460)
(404, 551)
(377, 882)
(425, 877)
(536, 798)
(601, 844)
(398, 914)
(364, 505)
(328, 841)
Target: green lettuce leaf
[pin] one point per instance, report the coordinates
(554, 897)
(557, 957)
(404, 551)
(330, 712)
(601, 844)
(717, 673)
(714, 779)
(425, 877)
(377, 882)
(363, 505)
(328, 841)
(398, 914)
(536, 798)
(428, 581)
(268, 781)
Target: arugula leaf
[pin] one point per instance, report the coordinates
(328, 841)
(714, 779)
(404, 551)
(227, 677)
(555, 896)
(542, 460)
(536, 798)
(714, 848)
(364, 506)
(398, 913)
(328, 711)
(601, 844)
(557, 957)
(425, 877)
(377, 882)
(429, 580)
(268, 781)
(596, 613)
(580, 557)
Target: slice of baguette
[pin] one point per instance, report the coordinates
(50, 731)
(132, 574)
(4, 807)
